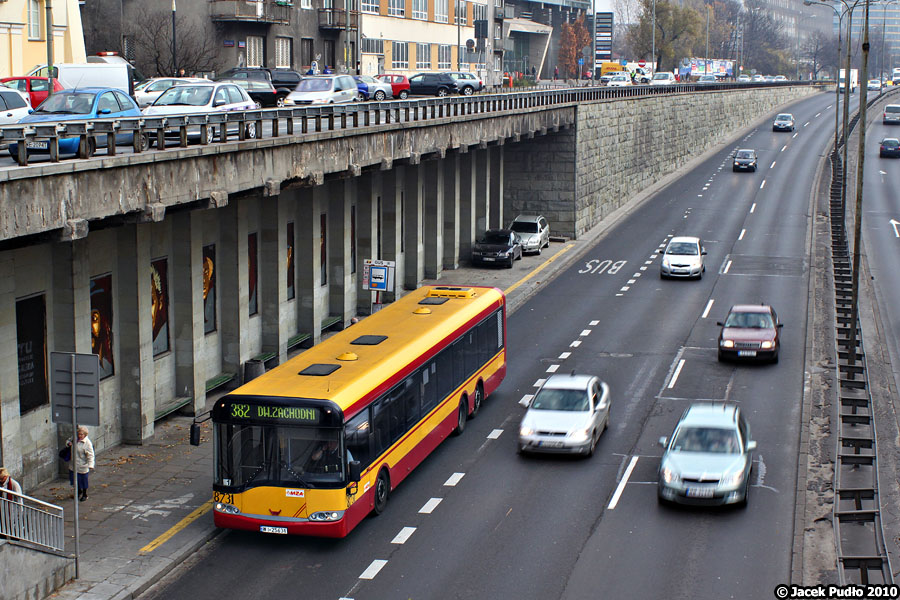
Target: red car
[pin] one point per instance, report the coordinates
(750, 331)
(36, 87)
(399, 84)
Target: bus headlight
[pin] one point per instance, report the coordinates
(327, 515)
(227, 508)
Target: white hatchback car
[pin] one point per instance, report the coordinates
(566, 416)
(619, 81)
(323, 89)
(683, 257)
(150, 90)
(663, 78)
(13, 107)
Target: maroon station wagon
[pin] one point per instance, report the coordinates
(750, 331)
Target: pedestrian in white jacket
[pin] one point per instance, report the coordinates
(84, 456)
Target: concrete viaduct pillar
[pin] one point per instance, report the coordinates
(392, 202)
(341, 288)
(451, 216)
(433, 218)
(467, 193)
(234, 284)
(187, 300)
(368, 232)
(482, 195)
(273, 242)
(496, 187)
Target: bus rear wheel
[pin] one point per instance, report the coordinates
(382, 491)
(461, 417)
(479, 397)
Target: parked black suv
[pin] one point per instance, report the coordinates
(432, 84)
(284, 80)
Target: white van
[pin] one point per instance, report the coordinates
(76, 75)
(663, 78)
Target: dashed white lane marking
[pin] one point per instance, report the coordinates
(740, 237)
(454, 479)
(493, 435)
(727, 266)
(708, 306)
(565, 355)
(373, 569)
(648, 262)
(676, 374)
(699, 196)
(552, 368)
(624, 288)
(526, 399)
(621, 488)
(575, 344)
(805, 124)
(636, 275)
(632, 281)
(817, 115)
(783, 148)
(429, 506)
(540, 382)
(594, 323)
(620, 294)
(772, 166)
(584, 332)
(753, 208)
(795, 135)
(653, 256)
(404, 535)
(644, 267)
(763, 184)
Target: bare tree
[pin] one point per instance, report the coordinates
(151, 37)
(819, 50)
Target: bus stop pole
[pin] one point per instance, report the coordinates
(75, 462)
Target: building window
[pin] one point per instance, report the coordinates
(372, 7)
(441, 10)
(443, 57)
(305, 3)
(372, 46)
(460, 16)
(306, 52)
(497, 62)
(31, 342)
(463, 59)
(423, 56)
(323, 249)
(498, 32)
(284, 51)
(255, 53)
(420, 9)
(34, 20)
(479, 12)
(396, 8)
(400, 55)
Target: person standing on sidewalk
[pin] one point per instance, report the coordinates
(84, 452)
(11, 504)
(555, 73)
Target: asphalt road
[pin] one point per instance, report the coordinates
(535, 527)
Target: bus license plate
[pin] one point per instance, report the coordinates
(746, 352)
(36, 145)
(267, 529)
(699, 492)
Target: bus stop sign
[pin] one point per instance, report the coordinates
(80, 377)
(378, 275)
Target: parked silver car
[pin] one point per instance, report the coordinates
(323, 89)
(534, 232)
(466, 82)
(708, 458)
(683, 257)
(150, 90)
(203, 98)
(567, 415)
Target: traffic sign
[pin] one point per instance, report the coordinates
(378, 275)
(75, 383)
(642, 63)
(580, 61)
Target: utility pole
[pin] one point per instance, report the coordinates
(174, 61)
(49, 49)
(347, 36)
(706, 56)
(653, 26)
(458, 32)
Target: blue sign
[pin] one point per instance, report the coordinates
(580, 61)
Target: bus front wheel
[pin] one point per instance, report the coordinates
(461, 417)
(382, 491)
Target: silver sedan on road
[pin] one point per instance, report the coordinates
(683, 257)
(566, 416)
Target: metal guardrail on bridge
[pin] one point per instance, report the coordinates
(302, 120)
(30, 520)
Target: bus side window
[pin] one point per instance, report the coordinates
(358, 438)
(444, 374)
(429, 386)
(382, 429)
(473, 359)
(459, 361)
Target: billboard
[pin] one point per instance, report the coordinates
(711, 66)
(603, 32)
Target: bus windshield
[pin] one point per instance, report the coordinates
(253, 455)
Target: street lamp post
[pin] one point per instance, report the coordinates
(49, 48)
(797, 27)
(706, 56)
(653, 37)
(174, 61)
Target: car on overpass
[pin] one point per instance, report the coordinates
(37, 88)
(369, 88)
(566, 415)
(468, 83)
(399, 84)
(151, 89)
(13, 107)
(708, 458)
(750, 331)
(619, 80)
(432, 84)
(199, 99)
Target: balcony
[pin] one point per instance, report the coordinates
(258, 11)
(336, 18)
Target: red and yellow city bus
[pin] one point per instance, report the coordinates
(316, 444)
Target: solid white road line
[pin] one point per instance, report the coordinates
(493, 435)
(373, 569)
(753, 208)
(727, 266)
(708, 306)
(429, 506)
(743, 231)
(552, 368)
(676, 374)
(404, 534)
(621, 488)
(454, 479)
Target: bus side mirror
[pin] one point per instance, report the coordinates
(355, 471)
(195, 434)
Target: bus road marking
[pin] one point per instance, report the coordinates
(708, 306)
(539, 382)
(493, 435)
(783, 148)
(676, 374)
(621, 488)
(429, 506)
(193, 516)
(753, 208)
(373, 569)
(552, 368)
(404, 535)
(584, 332)
(740, 237)
(575, 344)
(454, 479)
(565, 355)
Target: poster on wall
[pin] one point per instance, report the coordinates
(159, 304)
(252, 304)
(290, 261)
(101, 323)
(31, 341)
(209, 288)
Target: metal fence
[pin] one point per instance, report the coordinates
(29, 520)
(242, 125)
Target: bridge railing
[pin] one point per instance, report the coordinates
(30, 520)
(247, 125)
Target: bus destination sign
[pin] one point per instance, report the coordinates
(260, 412)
